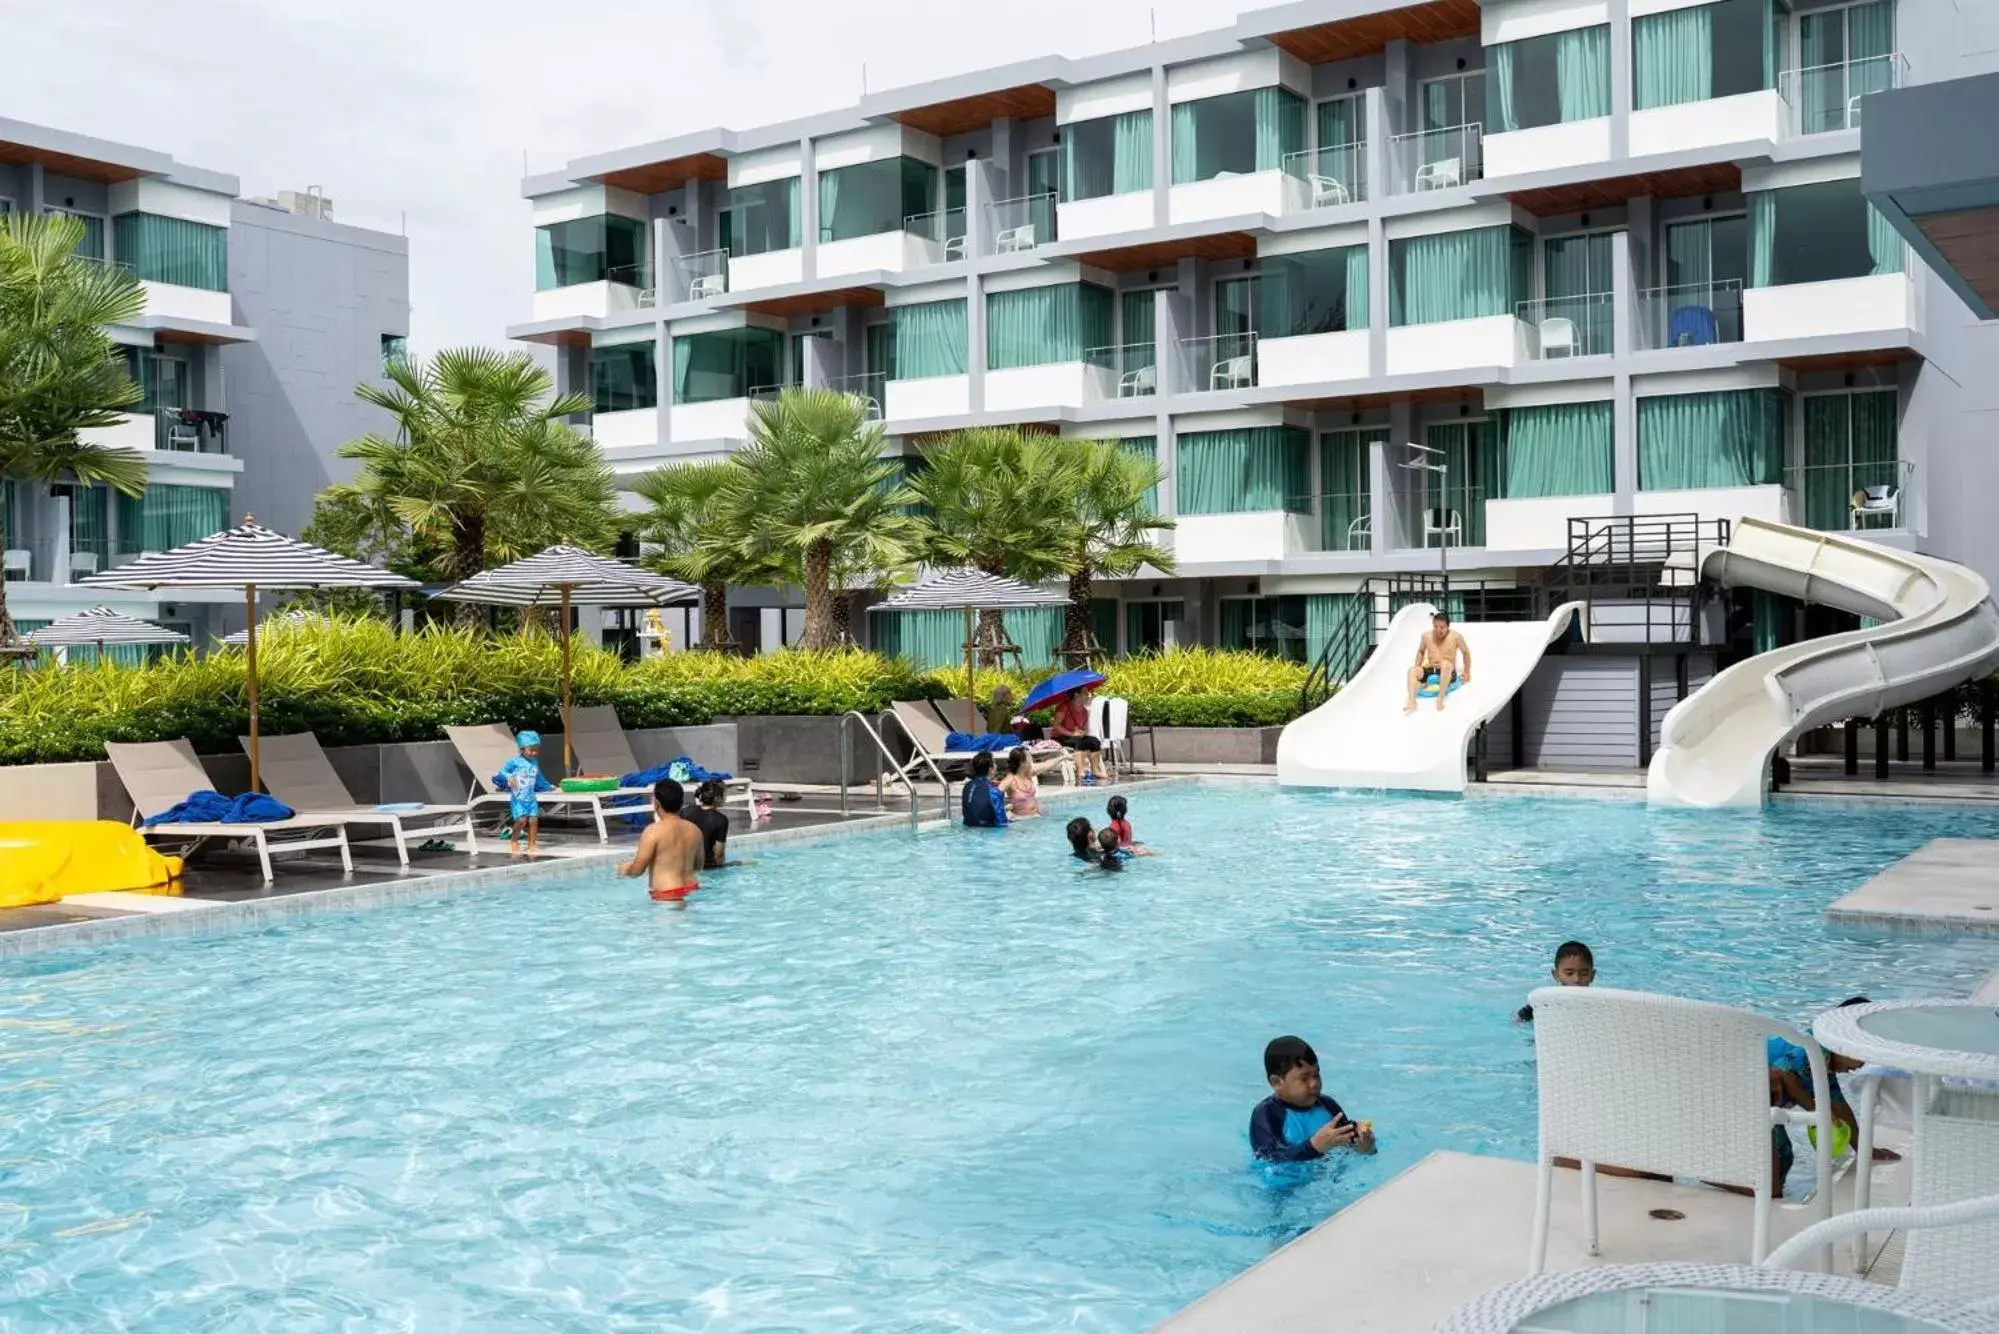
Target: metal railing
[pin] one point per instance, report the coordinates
(1436, 159)
(1333, 175)
(1690, 315)
(1853, 496)
(1430, 520)
(1346, 518)
(1136, 366)
(102, 262)
(1016, 225)
(871, 387)
(894, 766)
(1570, 326)
(701, 275)
(1824, 98)
(190, 431)
(1638, 576)
(628, 275)
(945, 226)
(765, 393)
(1218, 361)
(1363, 616)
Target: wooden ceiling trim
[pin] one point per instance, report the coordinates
(65, 164)
(654, 177)
(1557, 200)
(1030, 101)
(816, 303)
(1165, 254)
(1436, 21)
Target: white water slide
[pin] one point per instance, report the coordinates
(1362, 738)
(1940, 629)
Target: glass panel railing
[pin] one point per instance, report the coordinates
(1570, 326)
(870, 387)
(1136, 366)
(1332, 176)
(1850, 497)
(946, 227)
(1690, 315)
(701, 275)
(1219, 361)
(1014, 225)
(190, 431)
(1436, 159)
(1824, 98)
(765, 393)
(1456, 519)
(1346, 518)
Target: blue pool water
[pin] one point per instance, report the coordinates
(884, 1083)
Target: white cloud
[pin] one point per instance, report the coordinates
(425, 110)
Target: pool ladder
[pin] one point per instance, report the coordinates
(886, 762)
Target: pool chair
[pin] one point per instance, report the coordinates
(1661, 1084)
(1110, 723)
(159, 775)
(296, 771)
(603, 748)
(1946, 1257)
(926, 735)
(485, 748)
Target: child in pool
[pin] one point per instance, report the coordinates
(1082, 840)
(1110, 857)
(1022, 784)
(1119, 811)
(520, 778)
(1574, 966)
(1298, 1122)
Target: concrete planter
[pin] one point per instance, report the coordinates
(793, 748)
(1210, 745)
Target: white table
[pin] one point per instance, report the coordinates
(1670, 1298)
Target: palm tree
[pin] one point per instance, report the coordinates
(482, 469)
(683, 502)
(812, 498)
(1000, 499)
(1111, 531)
(59, 371)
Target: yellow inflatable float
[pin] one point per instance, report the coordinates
(42, 861)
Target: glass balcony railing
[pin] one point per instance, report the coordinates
(190, 431)
(1824, 98)
(1219, 361)
(871, 387)
(1852, 496)
(1690, 315)
(1454, 521)
(1015, 225)
(1436, 159)
(1332, 176)
(1136, 366)
(1570, 326)
(1346, 518)
(946, 227)
(701, 275)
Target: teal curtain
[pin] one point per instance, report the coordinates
(1185, 147)
(880, 352)
(930, 340)
(1141, 341)
(1582, 73)
(1471, 452)
(794, 204)
(1280, 127)
(1773, 40)
(1499, 90)
(1241, 472)
(1144, 620)
(1103, 623)
(1358, 314)
(1131, 152)
(173, 250)
(1762, 237)
(1562, 449)
(1727, 438)
(1344, 490)
(544, 260)
(829, 203)
(1235, 618)
(1875, 439)
(1457, 275)
(167, 516)
(932, 639)
(1673, 57)
(1884, 243)
(1147, 448)
(1774, 620)
(1042, 326)
(1577, 288)
(1343, 143)
(90, 521)
(1849, 444)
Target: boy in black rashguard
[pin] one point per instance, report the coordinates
(1298, 1122)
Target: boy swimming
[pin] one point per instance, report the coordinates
(1298, 1122)
(1574, 966)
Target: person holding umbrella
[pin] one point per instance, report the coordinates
(1070, 693)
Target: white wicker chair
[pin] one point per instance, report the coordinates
(1662, 1084)
(1945, 1257)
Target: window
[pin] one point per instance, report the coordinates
(1703, 51)
(1575, 286)
(622, 377)
(1145, 623)
(168, 516)
(1111, 155)
(1459, 275)
(1843, 54)
(1247, 471)
(764, 217)
(1238, 132)
(1272, 626)
(928, 340)
(173, 250)
(1342, 154)
(1315, 291)
(954, 206)
(1707, 266)
(799, 352)
(1563, 76)
(162, 380)
(1346, 465)
(1469, 451)
(395, 350)
(1455, 99)
(1817, 233)
(1562, 449)
(1726, 438)
(1043, 326)
(1850, 444)
(1044, 167)
(92, 244)
(728, 363)
(601, 248)
(873, 197)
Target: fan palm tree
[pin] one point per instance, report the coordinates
(1111, 531)
(1000, 500)
(59, 372)
(482, 469)
(682, 515)
(813, 498)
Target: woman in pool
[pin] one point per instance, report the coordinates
(1082, 839)
(1022, 784)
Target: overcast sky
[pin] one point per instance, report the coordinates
(422, 109)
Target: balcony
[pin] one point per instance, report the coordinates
(1330, 177)
(190, 431)
(1219, 361)
(1851, 497)
(918, 243)
(943, 229)
(701, 276)
(1826, 98)
(1345, 520)
(1014, 226)
(1690, 315)
(1436, 159)
(871, 387)
(1568, 326)
(1879, 303)
(623, 289)
(1202, 539)
(1133, 366)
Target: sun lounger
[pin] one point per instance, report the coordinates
(159, 774)
(485, 748)
(603, 748)
(927, 736)
(296, 771)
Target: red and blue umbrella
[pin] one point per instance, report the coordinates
(1061, 686)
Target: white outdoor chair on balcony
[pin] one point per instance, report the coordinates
(1135, 383)
(1870, 501)
(708, 285)
(1231, 373)
(1558, 335)
(648, 297)
(1853, 111)
(954, 247)
(1328, 191)
(82, 564)
(1014, 239)
(180, 435)
(18, 564)
(1447, 524)
(1360, 533)
(1443, 174)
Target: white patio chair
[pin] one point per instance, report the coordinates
(1014, 239)
(1110, 724)
(1853, 111)
(18, 564)
(1873, 500)
(954, 247)
(1231, 373)
(1360, 533)
(708, 285)
(1144, 380)
(1443, 174)
(82, 563)
(1447, 524)
(1662, 1084)
(1947, 1257)
(1558, 335)
(1328, 191)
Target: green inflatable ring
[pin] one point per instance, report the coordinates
(589, 785)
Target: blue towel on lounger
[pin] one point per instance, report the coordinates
(963, 741)
(681, 769)
(209, 807)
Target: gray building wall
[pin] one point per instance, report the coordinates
(320, 295)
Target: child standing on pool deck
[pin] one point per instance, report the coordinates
(520, 778)
(1298, 1122)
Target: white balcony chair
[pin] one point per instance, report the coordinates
(182, 436)
(1443, 174)
(18, 564)
(1558, 334)
(708, 285)
(1447, 524)
(1661, 1084)
(1853, 111)
(82, 563)
(1328, 191)
(1014, 239)
(1144, 380)
(1869, 501)
(1231, 373)
(954, 247)
(1360, 533)
(1954, 1268)
(648, 297)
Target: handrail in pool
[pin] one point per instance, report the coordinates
(884, 753)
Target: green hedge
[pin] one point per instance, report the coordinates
(357, 682)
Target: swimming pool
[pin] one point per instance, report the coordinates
(944, 1083)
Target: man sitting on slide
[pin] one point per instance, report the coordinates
(1437, 655)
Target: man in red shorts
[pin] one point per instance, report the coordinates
(669, 854)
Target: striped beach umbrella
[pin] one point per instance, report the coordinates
(971, 591)
(290, 620)
(100, 626)
(248, 556)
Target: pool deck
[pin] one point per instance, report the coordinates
(1948, 885)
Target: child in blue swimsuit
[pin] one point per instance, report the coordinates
(520, 778)
(1298, 1122)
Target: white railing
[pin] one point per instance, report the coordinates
(1333, 176)
(945, 226)
(1824, 98)
(870, 387)
(1570, 326)
(701, 275)
(1218, 361)
(1436, 159)
(1014, 225)
(1690, 315)
(1136, 366)
(1845, 497)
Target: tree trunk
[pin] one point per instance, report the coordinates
(991, 637)
(468, 557)
(843, 618)
(819, 595)
(1079, 644)
(715, 616)
(10, 639)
